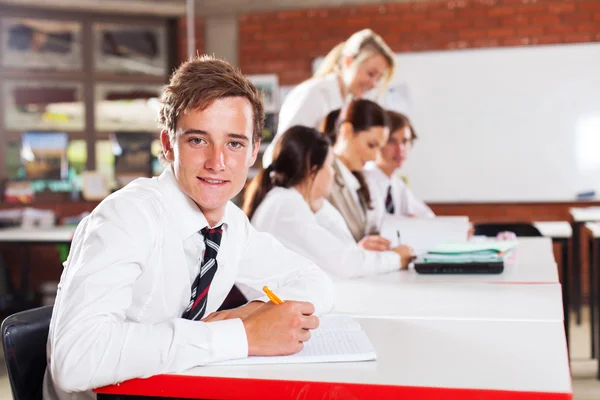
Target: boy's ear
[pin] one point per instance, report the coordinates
(167, 146)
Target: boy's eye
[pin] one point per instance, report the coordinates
(236, 145)
(196, 140)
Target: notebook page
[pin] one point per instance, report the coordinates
(325, 345)
(338, 322)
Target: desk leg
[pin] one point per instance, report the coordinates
(593, 288)
(596, 267)
(24, 289)
(576, 257)
(564, 251)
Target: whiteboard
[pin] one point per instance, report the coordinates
(502, 124)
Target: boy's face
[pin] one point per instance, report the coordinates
(395, 151)
(212, 152)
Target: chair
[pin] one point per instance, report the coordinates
(24, 337)
(492, 229)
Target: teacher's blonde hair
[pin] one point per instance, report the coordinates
(362, 45)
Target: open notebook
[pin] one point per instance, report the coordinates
(338, 339)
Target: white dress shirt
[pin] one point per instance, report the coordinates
(307, 105)
(128, 278)
(404, 200)
(323, 237)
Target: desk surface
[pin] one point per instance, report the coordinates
(554, 229)
(587, 214)
(365, 298)
(531, 262)
(439, 359)
(57, 234)
(594, 228)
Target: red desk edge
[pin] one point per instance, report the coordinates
(194, 387)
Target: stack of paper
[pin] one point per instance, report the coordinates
(338, 339)
(470, 252)
(424, 233)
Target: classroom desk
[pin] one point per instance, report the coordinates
(580, 217)
(593, 229)
(427, 359)
(54, 235)
(449, 301)
(531, 262)
(560, 232)
(26, 237)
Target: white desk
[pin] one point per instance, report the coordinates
(532, 262)
(57, 234)
(555, 229)
(580, 216)
(438, 359)
(585, 214)
(560, 232)
(365, 298)
(594, 230)
(26, 237)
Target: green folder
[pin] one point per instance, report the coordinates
(469, 252)
(474, 247)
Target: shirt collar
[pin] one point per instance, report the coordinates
(190, 219)
(379, 174)
(349, 179)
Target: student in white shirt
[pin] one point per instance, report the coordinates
(389, 193)
(362, 130)
(288, 200)
(150, 265)
(350, 70)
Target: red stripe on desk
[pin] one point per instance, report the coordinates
(194, 387)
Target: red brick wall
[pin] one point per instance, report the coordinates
(182, 42)
(286, 42)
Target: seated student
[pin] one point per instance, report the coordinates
(388, 191)
(150, 265)
(361, 131)
(288, 200)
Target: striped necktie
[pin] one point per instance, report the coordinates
(389, 203)
(197, 306)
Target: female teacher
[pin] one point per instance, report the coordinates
(351, 69)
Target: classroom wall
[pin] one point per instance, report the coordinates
(182, 42)
(286, 42)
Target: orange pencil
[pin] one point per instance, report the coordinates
(272, 296)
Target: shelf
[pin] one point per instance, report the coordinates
(117, 78)
(36, 75)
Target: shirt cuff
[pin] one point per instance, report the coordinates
(390, 261)
(228, 339)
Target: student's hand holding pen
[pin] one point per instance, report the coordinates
(406, 253)
(375, 243)
(279, 329)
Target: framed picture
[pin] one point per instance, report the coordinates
(133, 155)
(130, 49)
(43, 105)
(41, 44)
(269, 86)
(132, 107)
(44, 155)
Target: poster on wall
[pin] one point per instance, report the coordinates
(268, 84)
(130, 49)
(43, 105)
(127, 107)
(41, 44)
